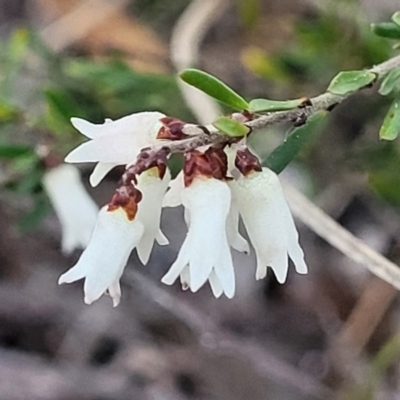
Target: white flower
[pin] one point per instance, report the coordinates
(205, 253)
(104, 260)
(149, 211)
(114, 142)
(269, 223)
(235, 240)
(173, 197)
(74, 207)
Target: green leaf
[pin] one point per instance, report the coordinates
(391, 124)
(396, 18)
(265, 105)
(388, 30)
(231, 127)
(8, 113)
(391, 82)
(347, 82)
(295, 140)
(214, 87)
(14, 151)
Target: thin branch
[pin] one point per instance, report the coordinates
(325, 101)
(339, 237)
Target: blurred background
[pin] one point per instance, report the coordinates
(331, 334)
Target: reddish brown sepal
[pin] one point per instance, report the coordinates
(247, 162)
(306, 102)
(128, 198)
(248, 115)
(147, 159)
(213, 164)
(171, 129)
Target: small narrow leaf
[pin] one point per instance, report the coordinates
(391, 124)
(231, 127)
(391, 82)
(396, 18)
(14, 151)
(265, 105)
(388, 30)
(214, 87)
(295, 140)
(347, 82)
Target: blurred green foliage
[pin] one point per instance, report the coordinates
(40, 91)
(321, 46)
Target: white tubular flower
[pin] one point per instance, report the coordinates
(114, 142)
(103, 261)
(269, 223)
(75, 209)
(235, 239)
(205, 253)
(173, 197)
(149, 212)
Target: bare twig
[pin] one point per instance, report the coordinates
(341, 238)
(325, 101)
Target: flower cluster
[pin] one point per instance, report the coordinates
(218, 184)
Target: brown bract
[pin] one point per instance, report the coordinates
(213, 163)
(171, 129)
(147, 159)
(128, 198)
(247, 162)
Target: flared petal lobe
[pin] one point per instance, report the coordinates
(269, 223)
(235, 239)
(114, 142)
(103, 261)
(75, 209)
(173, 196)
(205, 253)
(149, 212)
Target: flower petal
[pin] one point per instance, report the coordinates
(104, 259)
(99, 172)
(224, 270)
(235, 239)
(216, 287)
(173, 197)
(117, 142)
(268, 221)
(74, 207)
(207, 201)
(149, 212)
(161, 239)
